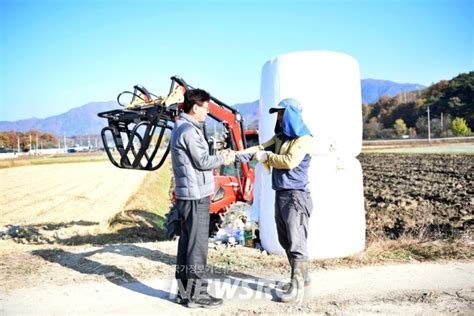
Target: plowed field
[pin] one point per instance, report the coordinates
(414, 194)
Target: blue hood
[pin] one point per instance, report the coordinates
(293, 125)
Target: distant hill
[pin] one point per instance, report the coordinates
(446, 98)
(84, 121)
(373, 89)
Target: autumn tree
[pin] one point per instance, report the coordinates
(459, 127)
(422, 126)
(11, 139)
(48, 140)
(366, 109)
(372, 128)
(400, 127)
(3, 141)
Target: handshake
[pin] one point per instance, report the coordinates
(229, 156)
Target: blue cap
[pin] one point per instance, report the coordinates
(283, 104)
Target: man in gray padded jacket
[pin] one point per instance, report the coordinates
(194, 180)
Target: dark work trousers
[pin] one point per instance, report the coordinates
(192, 247)
(292, 211)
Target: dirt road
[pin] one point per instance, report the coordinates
(62, 193)
(408, 289)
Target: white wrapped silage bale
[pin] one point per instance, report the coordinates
(327, 84)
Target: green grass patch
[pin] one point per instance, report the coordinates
(397, 254)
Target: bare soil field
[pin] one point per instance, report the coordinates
(431, 195)
(65, 199)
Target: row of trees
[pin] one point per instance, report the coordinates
(450, 104)
(447, 127)
(27, 141)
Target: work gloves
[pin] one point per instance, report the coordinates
(261, 156)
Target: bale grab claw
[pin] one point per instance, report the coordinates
(137, 136)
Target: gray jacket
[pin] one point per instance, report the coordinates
(192, 164)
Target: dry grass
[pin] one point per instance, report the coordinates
(405, 250)
(144, 212)
(154, 193)
(378, 252)
(246, 260)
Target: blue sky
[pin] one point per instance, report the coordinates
(56, 55)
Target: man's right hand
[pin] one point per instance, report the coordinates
(229, 156)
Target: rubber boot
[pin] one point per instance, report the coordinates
(286, 286)
(295, 293)
(307, 278)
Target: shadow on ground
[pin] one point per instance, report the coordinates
(128, 226)
(81, 262)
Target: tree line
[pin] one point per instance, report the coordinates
(27, 141)
(450, 104)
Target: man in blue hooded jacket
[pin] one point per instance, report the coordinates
(289, 155)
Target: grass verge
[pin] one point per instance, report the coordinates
(377, 252)
(405, 250)
(144, 213)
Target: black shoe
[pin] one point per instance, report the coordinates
(205, 301)
(181, 300)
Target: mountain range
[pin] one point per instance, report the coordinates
(83, 120)
(373, 89)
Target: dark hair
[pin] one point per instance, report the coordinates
(195, 96)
